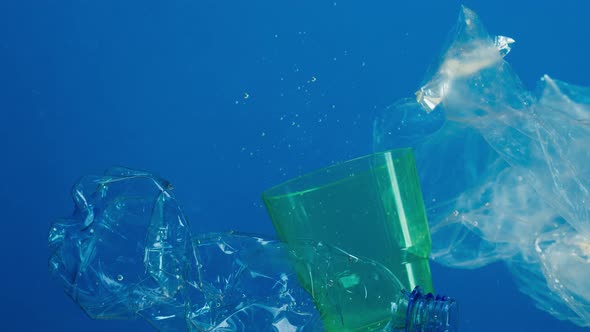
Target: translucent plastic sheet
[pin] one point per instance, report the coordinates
(505, 172)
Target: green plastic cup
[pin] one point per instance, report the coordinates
(370, 206)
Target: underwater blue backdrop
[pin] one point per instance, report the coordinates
(225, 99)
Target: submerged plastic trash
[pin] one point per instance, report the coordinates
(505, 172)
(127, 252)
(370, 206)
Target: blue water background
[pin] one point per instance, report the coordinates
(224, 99)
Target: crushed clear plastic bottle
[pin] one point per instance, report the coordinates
(127, 252)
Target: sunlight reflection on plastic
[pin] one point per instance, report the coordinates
(505, 172)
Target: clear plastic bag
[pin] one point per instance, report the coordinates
(505, 172)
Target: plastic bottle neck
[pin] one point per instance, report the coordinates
(429, 313)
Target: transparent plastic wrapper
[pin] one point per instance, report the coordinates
(504, 171)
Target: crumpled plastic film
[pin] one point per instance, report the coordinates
(504, 171)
